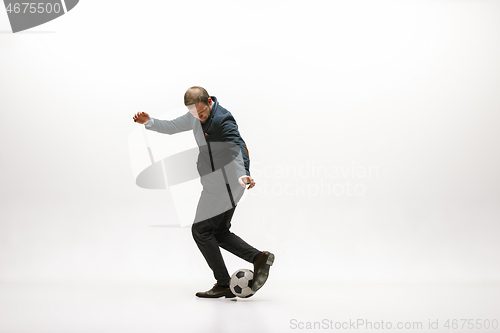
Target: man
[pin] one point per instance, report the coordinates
(224, 168)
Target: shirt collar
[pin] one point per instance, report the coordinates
(214, 107)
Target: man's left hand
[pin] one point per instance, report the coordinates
(243, 180)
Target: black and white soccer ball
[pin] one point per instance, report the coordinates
(241, 283)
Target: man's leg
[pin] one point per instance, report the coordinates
(231, 242)
(212, 232)
(262, 260)
(203, 234)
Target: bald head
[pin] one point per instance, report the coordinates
(196, 94)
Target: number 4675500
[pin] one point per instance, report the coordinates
(33, 7)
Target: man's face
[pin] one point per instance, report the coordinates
(201, 110)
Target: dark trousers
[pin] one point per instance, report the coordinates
(211, 233)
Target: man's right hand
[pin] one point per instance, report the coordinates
(141, 117)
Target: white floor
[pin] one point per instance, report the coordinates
(172, 307)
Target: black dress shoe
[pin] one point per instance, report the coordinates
(261, 269)
(216, 292)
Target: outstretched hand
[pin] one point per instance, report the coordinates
(141, 117)
(243, 180)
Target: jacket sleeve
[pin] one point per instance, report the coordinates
(230, 133)
(180, 124)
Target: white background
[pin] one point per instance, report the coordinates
(406, 89)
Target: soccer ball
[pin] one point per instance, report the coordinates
(241, 283)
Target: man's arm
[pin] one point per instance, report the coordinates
(230, 133)
(180, 124)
